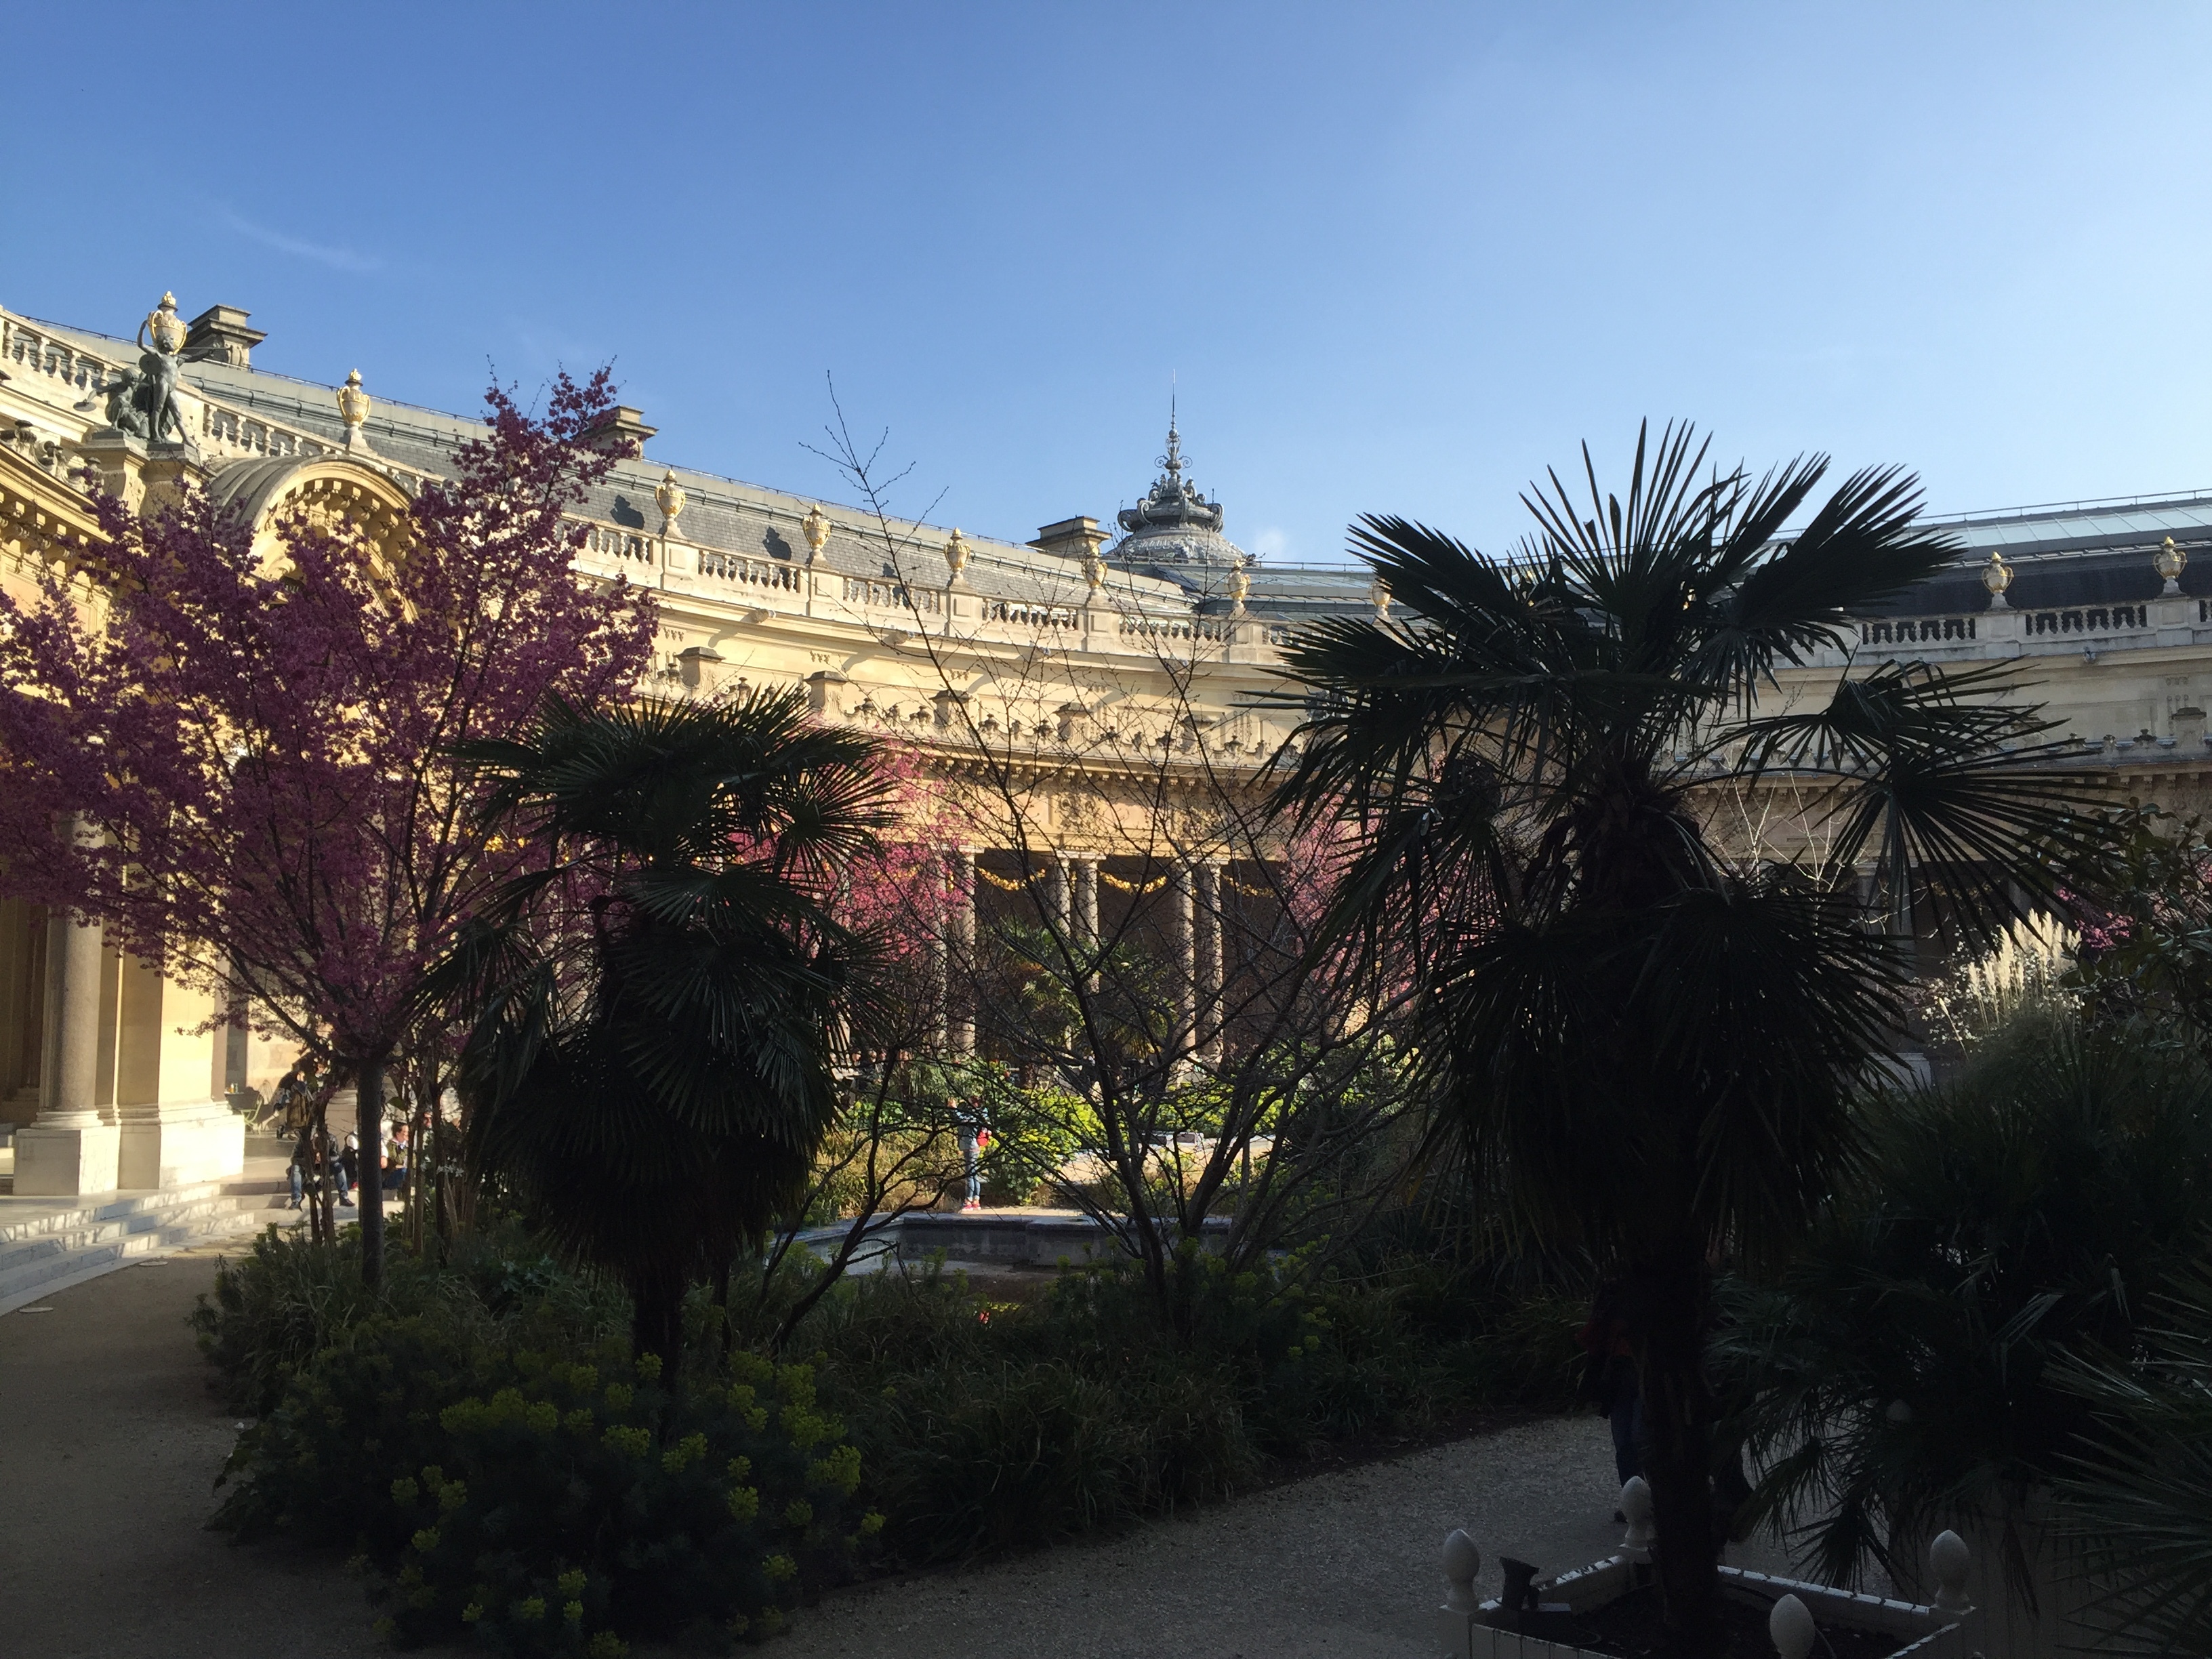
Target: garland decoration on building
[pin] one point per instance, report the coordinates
(1140, 888)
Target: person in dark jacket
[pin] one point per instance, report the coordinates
(303, 1160)
(1609, 1378)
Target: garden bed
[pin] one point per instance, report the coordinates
(1627, 1627)
(1610, 1610)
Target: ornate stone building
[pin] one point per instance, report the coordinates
(1117, 680)
(1116, 677)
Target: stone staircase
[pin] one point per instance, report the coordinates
(49, 1245)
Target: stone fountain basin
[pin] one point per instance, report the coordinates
(1921, 1631)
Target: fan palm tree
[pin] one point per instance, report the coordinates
(1650, 1043)
(1913, 1367)
(655, 1004)
(2142, 1493)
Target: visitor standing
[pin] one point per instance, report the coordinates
(973, 1137)
(1609, 1378)
(286, 1099)
(303, 1158)
(395, 1162)
(335, 1179)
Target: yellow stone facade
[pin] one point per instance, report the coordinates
(1086, 699)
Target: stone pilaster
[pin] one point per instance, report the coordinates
(176, 1129)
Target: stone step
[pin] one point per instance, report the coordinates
(110, 1207)
(43, 1253)
(106, 1206)
(38, 1280)
(61, 1240)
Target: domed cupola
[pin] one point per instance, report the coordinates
(1174, 525)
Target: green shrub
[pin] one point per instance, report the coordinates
(543, 1503)
(289, 1298)
(436, 1429)
(587, 1500)
(985, 1427)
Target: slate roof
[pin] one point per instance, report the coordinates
(2071, 554)
(723, 514)
(2066, 554)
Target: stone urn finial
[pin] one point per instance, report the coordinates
(668, 495)
(2170, 561)
(163, 329)
(354, 405)
(1378, 595)
(1996, 576)
(1239, 587)
(1094, 571)
(815, 527)
(956, 553)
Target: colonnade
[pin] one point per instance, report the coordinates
(1196, 940)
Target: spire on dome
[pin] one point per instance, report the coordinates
(1175, 523)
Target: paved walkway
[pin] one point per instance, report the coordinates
(109, 1443)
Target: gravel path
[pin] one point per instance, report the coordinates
(1341, 1564)
(110, 1444)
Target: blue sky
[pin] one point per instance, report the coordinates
(1397, 257)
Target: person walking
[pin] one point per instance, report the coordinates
(350, 1166)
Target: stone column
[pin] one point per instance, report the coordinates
(961, 929)
(1183, 936)
(1209, 932)
(1875, 913)
(71, 1150)
(1060, 896)
(939, 981)
(1087, 912)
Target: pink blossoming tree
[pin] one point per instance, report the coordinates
(240, 762)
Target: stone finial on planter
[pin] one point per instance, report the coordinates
(1790, 1627)
(1462, 1561)
(1636, 1505)
(1949, 1560)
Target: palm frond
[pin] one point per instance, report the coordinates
(1933, 770)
